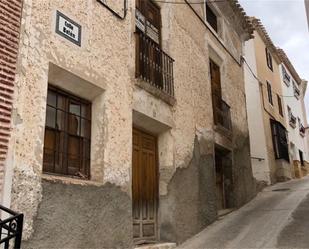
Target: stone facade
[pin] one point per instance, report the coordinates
(10, 16)
(102, 70)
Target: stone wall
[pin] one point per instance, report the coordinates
(10, 15)
(82, 216)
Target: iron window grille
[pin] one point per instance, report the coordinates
(296, 90)
(286, 76)
(269, 59)
(302, 130)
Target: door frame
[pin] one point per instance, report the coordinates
(157, 174)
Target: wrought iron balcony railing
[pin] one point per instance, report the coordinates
(222, 113)
(292, 120)
(10, 228)
(302, 130)
(296, 91)
(153, 65)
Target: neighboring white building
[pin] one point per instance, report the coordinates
(294, 89)
(307, 10)
(258, 147)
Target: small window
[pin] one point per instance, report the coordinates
(211, 18)
(269, 92)
(280, 105)
(269, 59)
(67, 134)
(286, 77)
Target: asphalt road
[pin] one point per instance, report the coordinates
(277, 218)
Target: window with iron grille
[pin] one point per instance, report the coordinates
(286, 76)
(269, 59)
(269, 93)
(280, 105)
(211, 18)
(67, 134)
(280, 141)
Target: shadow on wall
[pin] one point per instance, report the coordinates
(191, 202)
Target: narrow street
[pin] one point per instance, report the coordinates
(276, 218)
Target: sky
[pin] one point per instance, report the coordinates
(286, 24)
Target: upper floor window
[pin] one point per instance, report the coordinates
(269, 93)
(221, 110)
(153, 65)
(211, 18)
(67, 134)
(292, 118)
(269, 59)
(148, 19)
(296, 90)
(286, 77)
(280, 105)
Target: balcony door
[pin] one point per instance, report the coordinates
(216, 91)
(144, 187)
(148, 43)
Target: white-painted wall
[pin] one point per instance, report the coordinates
(296, 141)
(258, 148)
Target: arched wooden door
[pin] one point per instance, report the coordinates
(144, 187)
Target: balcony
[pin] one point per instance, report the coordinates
(153, 65)
(302, 130)
(296, 91)
(221, 111)
(292, 120)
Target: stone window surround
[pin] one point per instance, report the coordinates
(217, 12)
(72, 83)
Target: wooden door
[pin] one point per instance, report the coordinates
(216, 92)
(215, 78)
(144, 187)
(220, 193)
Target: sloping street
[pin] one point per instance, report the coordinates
(276, 218)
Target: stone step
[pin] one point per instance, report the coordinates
(157, 246)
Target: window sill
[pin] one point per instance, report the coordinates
(223, 131)
(156, 92)
(68, 180)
